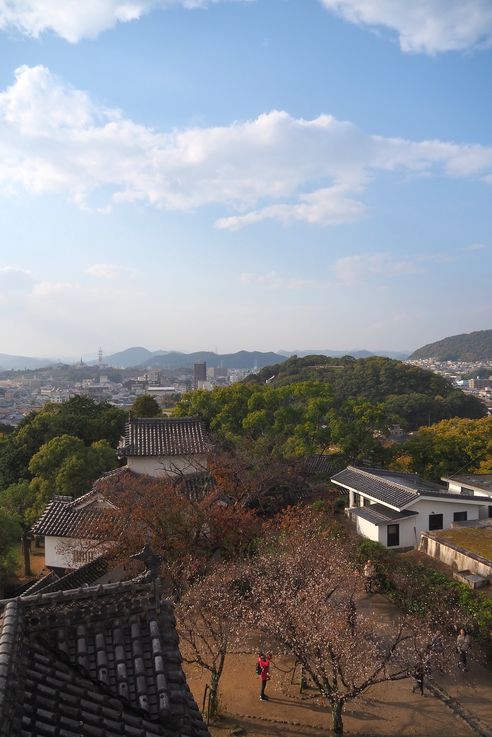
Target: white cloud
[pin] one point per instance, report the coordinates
(355, 269)
(477, 247)
(424, 26)
(106, 271)
(327, 206)
(54, 138)
(77, 19)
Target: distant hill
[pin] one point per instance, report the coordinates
(239, 360)
(130, 357)
(358, 353)
(8, 363)
(475, 346)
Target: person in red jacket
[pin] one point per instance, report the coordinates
(263, 670)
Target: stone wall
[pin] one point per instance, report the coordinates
(453, 555)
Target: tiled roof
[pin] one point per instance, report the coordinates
(372, 484)
(86, 575)
(164, 437)
(64, 519)
(378, 514)
(100, 661)
(196, 485)
(482, 481)
(394, 488)
(320, 464)
(84, 518)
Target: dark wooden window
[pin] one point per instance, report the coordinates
(460, 516)
(435, 521)
(393, 535)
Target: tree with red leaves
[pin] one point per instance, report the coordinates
(183, 530)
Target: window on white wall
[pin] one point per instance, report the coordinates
(435, 522)
(460, 516)
(393, 538)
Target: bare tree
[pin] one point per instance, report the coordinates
(206, 623)
(309, 592)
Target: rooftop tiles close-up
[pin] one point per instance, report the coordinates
(95, 661)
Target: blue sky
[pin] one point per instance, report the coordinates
(255, 174)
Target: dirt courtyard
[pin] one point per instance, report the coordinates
(386, 710)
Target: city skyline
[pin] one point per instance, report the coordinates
(249, 174)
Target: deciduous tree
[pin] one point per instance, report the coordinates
(206, 622)
(310, 591)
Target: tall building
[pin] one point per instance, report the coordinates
(199, 373)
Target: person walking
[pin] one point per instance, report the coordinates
(463, 645)
(263, 670)
(418, 677)
(369, 575)
(351, 616)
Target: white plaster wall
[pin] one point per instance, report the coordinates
(67, 552)
(454, 487)
(408, 533)
(379, 533)
(447, 508)
(167, 465)
(367, 529)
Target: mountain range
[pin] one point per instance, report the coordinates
(475, 346)
(170, 360)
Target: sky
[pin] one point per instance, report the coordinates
(243, 174)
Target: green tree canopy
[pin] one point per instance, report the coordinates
(10, 535)
(80, 417)
(414, 396)
(145, 406)
(64, 465)
(290, 421)
(449, 447)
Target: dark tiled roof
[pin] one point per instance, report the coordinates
(474, 480)
(99, 661)
(80, 518)
(320, 464)
(196, 485)
(65, 519)
(394, 488)
(378, 514)
(372, 484)
(164, 437)
(86, 519)
(40, 585)
(86, 575)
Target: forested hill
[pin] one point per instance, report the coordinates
(375, 377)
(475, 346)
(414, 395)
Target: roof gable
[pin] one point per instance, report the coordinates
(164, 437)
